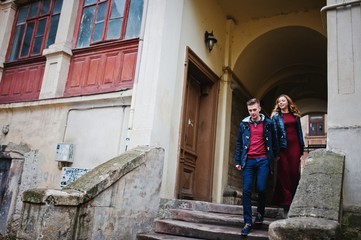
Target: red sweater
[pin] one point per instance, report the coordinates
(257, 147)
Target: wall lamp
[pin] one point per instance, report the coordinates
(210, 40)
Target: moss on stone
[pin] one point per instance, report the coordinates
(34, 195)
(351, 225)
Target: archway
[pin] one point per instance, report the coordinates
(289, 60)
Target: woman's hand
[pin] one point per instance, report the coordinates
(239, 167)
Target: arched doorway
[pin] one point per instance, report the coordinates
(288, 60)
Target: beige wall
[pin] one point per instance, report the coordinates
(96, 127)
(159, 90)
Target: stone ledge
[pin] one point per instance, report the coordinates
(56, 197)
(304, 228)
(94, 182)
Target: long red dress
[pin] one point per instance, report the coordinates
(288, 166)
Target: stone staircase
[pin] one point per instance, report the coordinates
(186, 219)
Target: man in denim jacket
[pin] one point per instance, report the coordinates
(255, 151)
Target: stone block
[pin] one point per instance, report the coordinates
(315, 212)
(320, 189)
(304, 228)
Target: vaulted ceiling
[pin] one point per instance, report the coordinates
(287, 60)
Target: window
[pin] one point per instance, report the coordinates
(35, 29)
(316, 123)
(105, 20)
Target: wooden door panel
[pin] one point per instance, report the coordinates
(191, 117)
(187, 166)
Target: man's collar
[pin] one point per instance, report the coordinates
(260, 120)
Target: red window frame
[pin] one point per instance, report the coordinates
(106, 22)
(27, 21)
(316, 124)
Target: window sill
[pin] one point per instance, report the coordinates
(109, 44)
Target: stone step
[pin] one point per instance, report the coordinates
(162, 236)
(188, 219)
(204, 231)
(168, 204)
(220, 219)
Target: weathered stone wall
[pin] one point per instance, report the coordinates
(116, 200)
(19, 156)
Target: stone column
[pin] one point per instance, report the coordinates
(223, 120)
(344, 92)
(344, 110)
(58, 55)
(7, 15)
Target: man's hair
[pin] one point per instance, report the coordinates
(253, 101)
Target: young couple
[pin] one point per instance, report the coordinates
(260, 141)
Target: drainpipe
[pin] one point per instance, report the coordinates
(334, 6)
(136, 75)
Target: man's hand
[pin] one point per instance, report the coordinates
(238, 167)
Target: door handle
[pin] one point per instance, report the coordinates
(190, 123)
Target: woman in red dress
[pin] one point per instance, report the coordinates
(286, 118)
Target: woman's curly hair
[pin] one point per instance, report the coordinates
(291, 106)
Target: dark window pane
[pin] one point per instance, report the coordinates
(114, 28)
(45, 8)
(102, 8)
(116, 20)
(86, 26)
(57, 6)
(23, 14)
(37, 45)
(41, 27)
(34, 9)
(52, 32)
(27, 39)
(38, 41)
(89, 2)
(312, 129)
(98, 32)
(134, 19)
(99, 23)
(320, 128)
(17, 42)
(118, 9)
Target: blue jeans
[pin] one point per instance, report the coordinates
(258, 167)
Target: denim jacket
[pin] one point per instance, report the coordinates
(281, 131)
(243, 141)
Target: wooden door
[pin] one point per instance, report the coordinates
(195, 174)
(188, 153)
